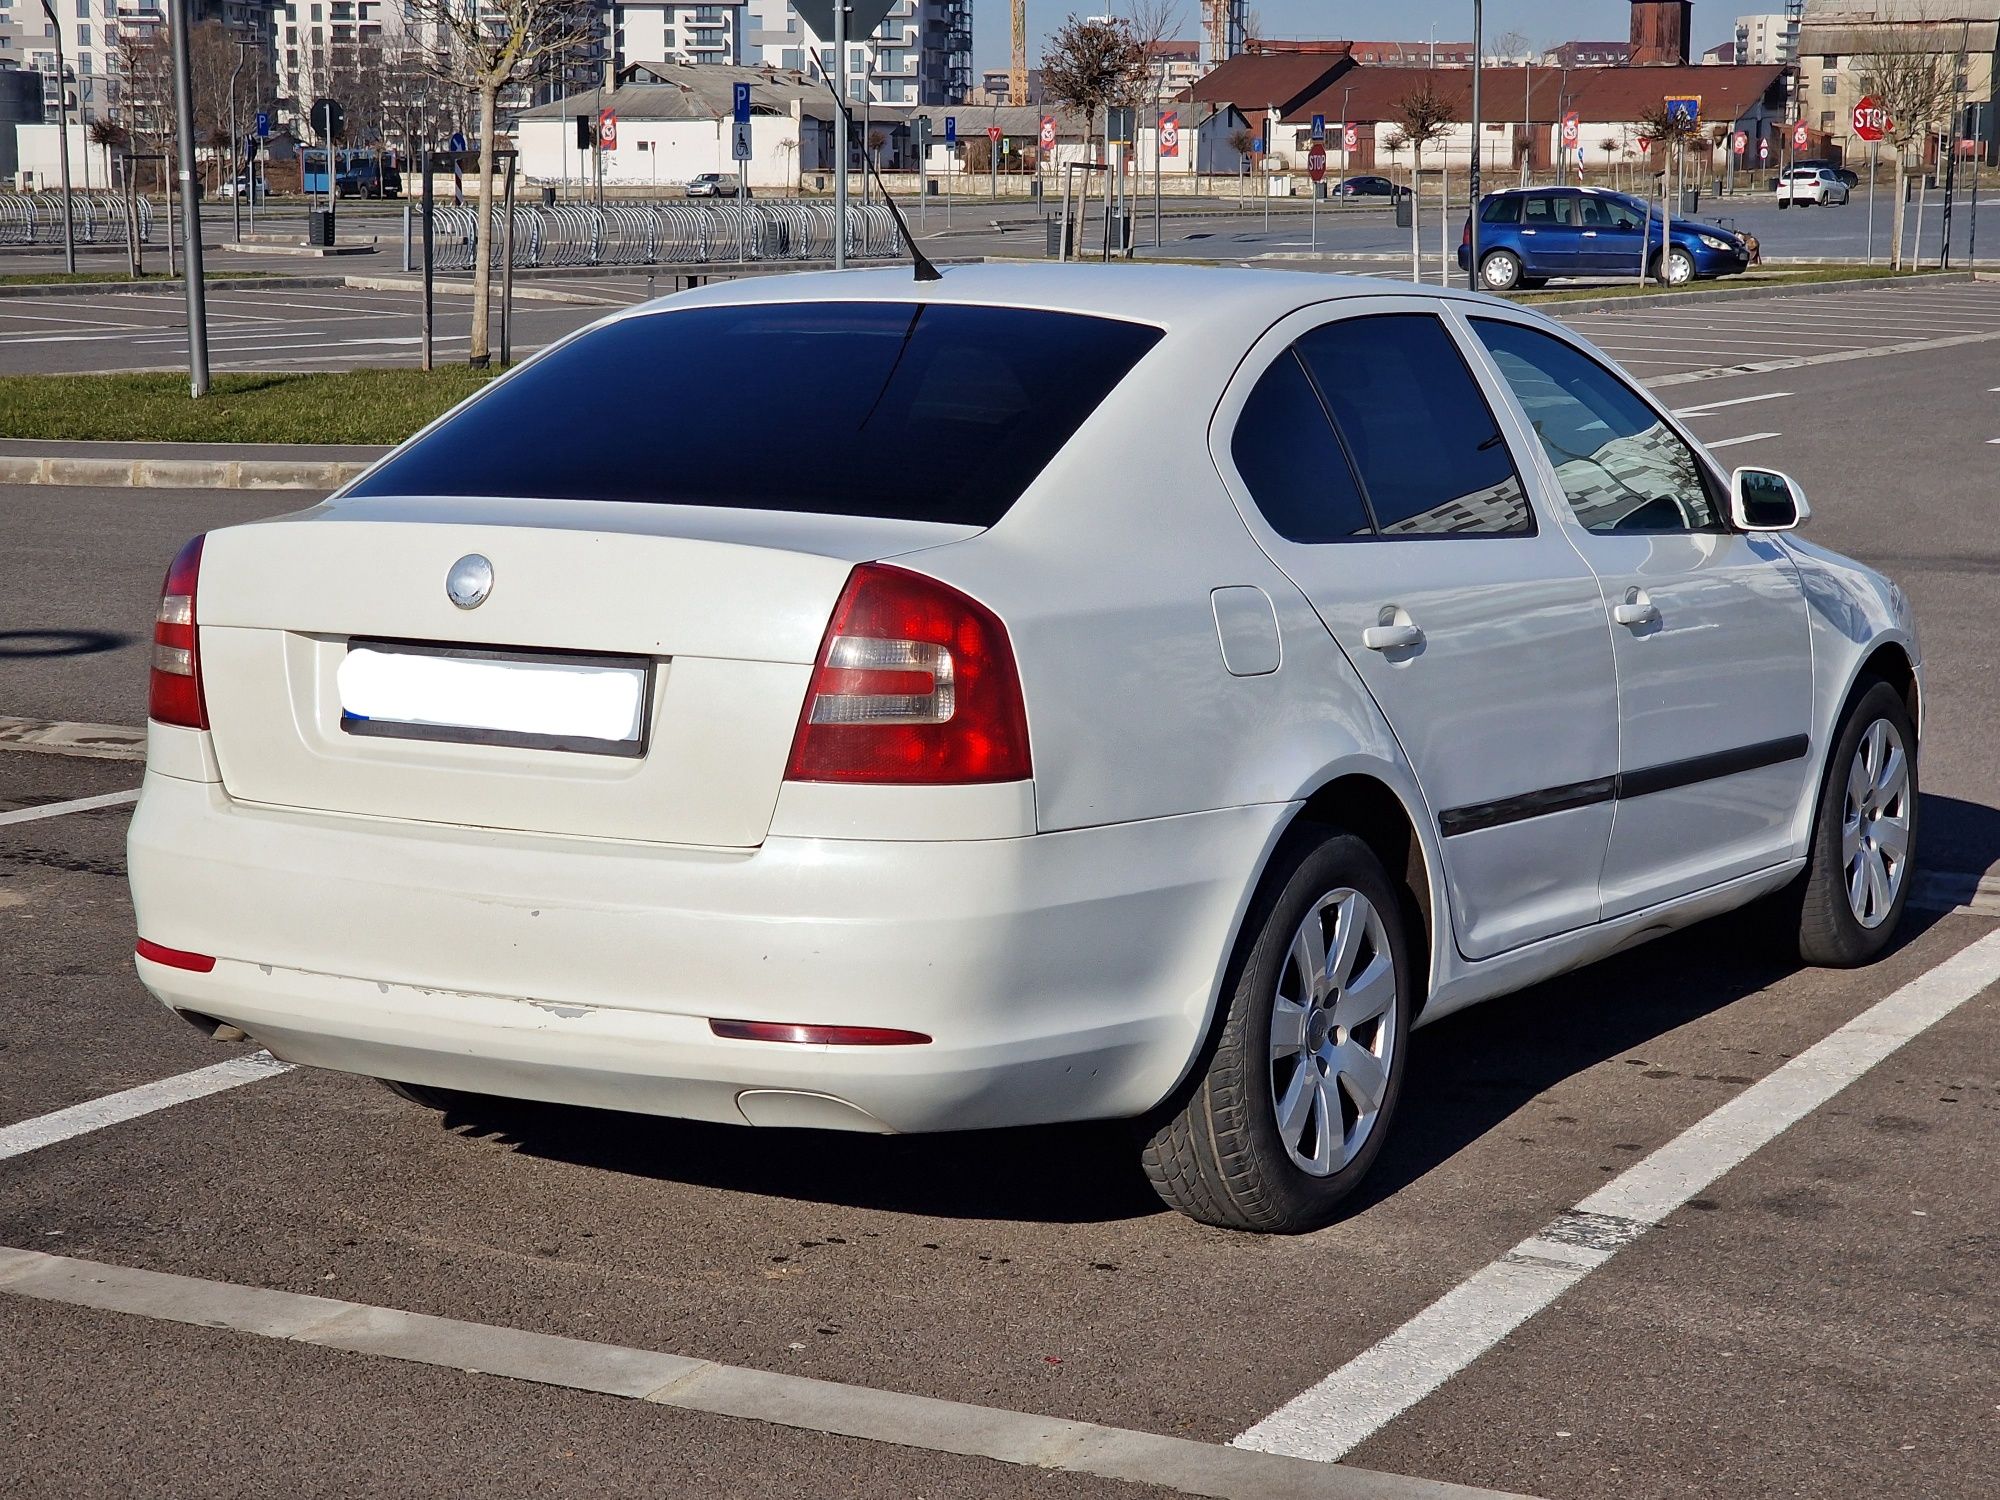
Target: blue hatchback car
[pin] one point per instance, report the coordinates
(1528, 235)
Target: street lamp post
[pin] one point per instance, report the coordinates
(62, 138)
(197, 301)
(1472, 181)
(235, 149)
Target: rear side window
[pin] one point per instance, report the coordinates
(1431, 457)
(1501, 211)
(1287, 453)
(926, 412)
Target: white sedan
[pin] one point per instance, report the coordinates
(1071, 693)
(1810, 186)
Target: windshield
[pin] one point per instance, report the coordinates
(913, 411)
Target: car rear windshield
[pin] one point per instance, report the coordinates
(928, 412)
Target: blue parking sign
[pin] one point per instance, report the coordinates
(742, 103)
(1257, 146)
(951, 130)
(263, 123)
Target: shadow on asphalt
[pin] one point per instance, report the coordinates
(1957, 837)
(48, 643)
(1467, 1074)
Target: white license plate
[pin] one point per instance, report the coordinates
(532, 700)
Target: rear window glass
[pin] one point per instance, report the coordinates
(927, 412)
(1501, 211)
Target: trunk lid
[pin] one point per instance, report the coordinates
(721, 612)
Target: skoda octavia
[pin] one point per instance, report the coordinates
(1063, 693)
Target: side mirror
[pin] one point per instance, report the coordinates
(1765, 500)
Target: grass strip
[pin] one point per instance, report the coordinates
(1725, 283)
(352, 406)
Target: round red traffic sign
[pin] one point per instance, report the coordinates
(1316, 162)
(1742, 142)
(1801, 137)
(1871, 120)
(1763, 151)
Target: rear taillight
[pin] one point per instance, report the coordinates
(175, 693)
(1465, 234)
(915, 683)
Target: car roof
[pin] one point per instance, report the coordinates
(1219, 299)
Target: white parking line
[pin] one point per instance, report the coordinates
(116, 1109)
(1748, 437)
(1712, 406)
(79, 804)
(921, 1423)
(1380, 1384)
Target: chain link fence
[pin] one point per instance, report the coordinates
(666, 233)
(37, 219)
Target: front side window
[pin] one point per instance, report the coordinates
(1622, 468)
(1425, 446)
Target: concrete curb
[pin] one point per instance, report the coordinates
(464, 289)
(181, 473)
(173, 287)
(1742, 292)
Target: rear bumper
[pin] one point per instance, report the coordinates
(1061, 976)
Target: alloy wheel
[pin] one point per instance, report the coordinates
(1333, 1032)
(1875, 824)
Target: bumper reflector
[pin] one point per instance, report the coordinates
(198, 963)
(817, 1036)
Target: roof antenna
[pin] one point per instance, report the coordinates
(921, 262)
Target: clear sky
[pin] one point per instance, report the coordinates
(1545, 24)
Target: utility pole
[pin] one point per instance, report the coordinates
(1472, 180)
(197, 300)
(236, 151)
(62, 138)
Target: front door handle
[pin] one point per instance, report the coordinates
(1637, 610)
(1391, 637)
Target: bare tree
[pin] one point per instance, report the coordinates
(1914, 79)
(1423, 115)
(483, 49)
(1093, 65)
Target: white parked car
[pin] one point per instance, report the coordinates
(1140, 692)
(1810, 185)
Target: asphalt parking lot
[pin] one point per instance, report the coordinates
(1813, 1314)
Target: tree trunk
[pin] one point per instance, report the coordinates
(1896, 215)
(482, 261)
(1416, 218)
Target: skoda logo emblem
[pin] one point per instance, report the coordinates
(469, 581)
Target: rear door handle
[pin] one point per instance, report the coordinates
(1637, 609)
(1391, 637)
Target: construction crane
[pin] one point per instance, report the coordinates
(1017, 75)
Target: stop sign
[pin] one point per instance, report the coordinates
(1871, 120)
(1316, 162)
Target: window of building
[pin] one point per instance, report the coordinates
(1619, 463)
(1826, 118)
(1828, 84)
(1830, 60)
(1430, 456)
(82, 34)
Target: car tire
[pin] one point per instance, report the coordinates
(1500, 271)
(1264, 1139)
(1784, 203)
(1867, 801)
(1678, 270)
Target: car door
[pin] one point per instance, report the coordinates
(1610, 235)
(1709, 626)
(1549, 239)
(1368, 462)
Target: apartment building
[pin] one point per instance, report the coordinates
(1766, 39)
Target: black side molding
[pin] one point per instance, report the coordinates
(1640, 783)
